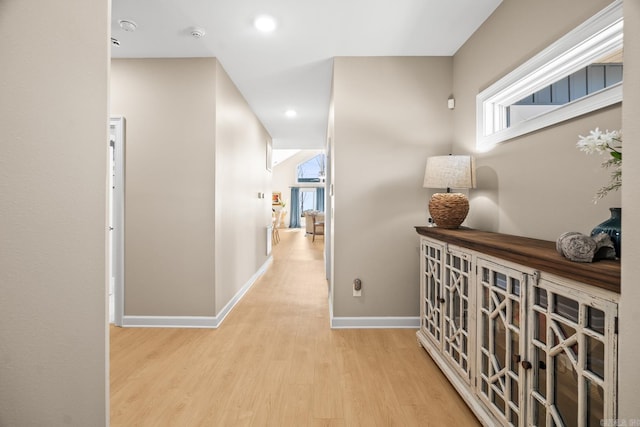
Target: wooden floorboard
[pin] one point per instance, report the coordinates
(275, 362)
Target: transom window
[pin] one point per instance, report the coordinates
(312, 170)
(579, 73)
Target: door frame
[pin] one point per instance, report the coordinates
(117, 124)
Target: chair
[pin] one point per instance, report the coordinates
(275, 223)
(318, 225)
(309, 220)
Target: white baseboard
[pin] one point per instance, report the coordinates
(170, 322)
(194, 321)
(375, 322)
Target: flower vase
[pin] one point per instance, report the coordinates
(612, 227)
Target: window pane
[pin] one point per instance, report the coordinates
(595, 404)
(541, 297)
(500, 280)
(566, 387)
(540, 327)
(307, 200)
(515, 313)
(540, 414)
(566, 308)
(595, 320)
(541, 359)
(313, 170)
(595, 356)
(579, 84)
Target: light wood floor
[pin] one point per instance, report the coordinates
(275, 362)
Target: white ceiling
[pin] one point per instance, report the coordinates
(291, 67)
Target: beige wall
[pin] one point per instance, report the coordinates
(538, 185)
(390, 114)
(241, 217)
(195, 163)
(629, 339)
(169, 107)
(53, 117)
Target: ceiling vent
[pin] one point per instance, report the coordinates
(128, 25)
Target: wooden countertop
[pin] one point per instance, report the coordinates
(533, 253)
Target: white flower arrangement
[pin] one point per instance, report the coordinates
(609, 142)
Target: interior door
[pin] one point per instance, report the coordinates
(116, 220)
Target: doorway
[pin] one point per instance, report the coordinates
(307, 201)
(116, 220)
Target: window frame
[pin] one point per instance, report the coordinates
(595, 38)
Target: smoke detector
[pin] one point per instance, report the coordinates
(197, 32)
(128, 25)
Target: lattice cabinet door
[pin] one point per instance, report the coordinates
(457, 343)
(432, 255)
(501, 341)
(573, 353)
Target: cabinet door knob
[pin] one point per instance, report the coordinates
(515, 358)
(441, 300)
(526, 365)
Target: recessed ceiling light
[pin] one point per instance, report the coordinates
(127, 25)
(265, 23)
(291, 113)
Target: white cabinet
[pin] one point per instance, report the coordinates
(573, 352)
(431, 260)
(523, 347)
(501, 346)
(445, 303)
(457, 294)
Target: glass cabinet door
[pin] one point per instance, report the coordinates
(573, 345)
(502, 346)
(456, 292)
(431, 290)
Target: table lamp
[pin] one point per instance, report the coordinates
(448, 210)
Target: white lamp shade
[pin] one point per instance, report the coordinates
(450, 172)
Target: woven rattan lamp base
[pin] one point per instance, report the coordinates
(448, 210)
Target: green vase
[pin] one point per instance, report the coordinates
(612, 227)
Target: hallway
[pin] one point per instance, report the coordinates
(276, 362)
